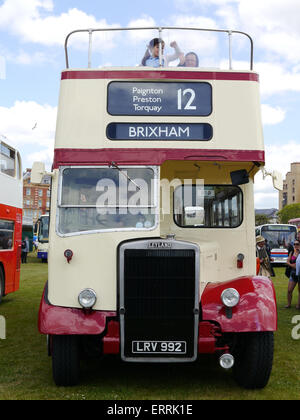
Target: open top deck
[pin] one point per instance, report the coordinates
(185, 35)
(146, 115)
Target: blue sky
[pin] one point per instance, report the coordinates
(32, 34)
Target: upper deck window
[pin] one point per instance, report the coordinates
(101, 199)
(7, 160)
(208, 206)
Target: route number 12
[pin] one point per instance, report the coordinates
(180, 95)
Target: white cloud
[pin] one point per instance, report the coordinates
(188, 4)
(142, 35)
(229, 15)
(279, 158)
(266, 200)
(272, 115)
(271, 15)
(273, 24)
(30, 127)
(275, 78)
(27, 59)
(29, 21)
(203, 43)
(29, 123)
(265, 196)
(193, 21)
(2, 68)
(44, 155)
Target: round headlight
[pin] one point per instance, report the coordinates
(226, 361)
(230, 297)
(87, 298)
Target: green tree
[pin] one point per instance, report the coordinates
(261, 219)
(291, 211)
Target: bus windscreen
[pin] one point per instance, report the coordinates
(279, 236)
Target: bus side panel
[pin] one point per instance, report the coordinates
(11, 258)
(255, 312)
(58, 320)
(18, 247)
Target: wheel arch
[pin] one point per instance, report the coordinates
(256, 311)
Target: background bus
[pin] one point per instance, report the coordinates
(43, 237)
(278, 238)
(295, 222)
(11, 203)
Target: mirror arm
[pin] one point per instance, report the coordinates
(265, 173)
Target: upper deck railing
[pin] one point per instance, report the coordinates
(160, 30)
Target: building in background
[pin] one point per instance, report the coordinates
(291, 187)
(36, 198)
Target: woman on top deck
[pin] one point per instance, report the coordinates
(189, 60)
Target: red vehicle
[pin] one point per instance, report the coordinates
(10, 219)
(295, 222)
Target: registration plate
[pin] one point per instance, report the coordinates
(159, 347)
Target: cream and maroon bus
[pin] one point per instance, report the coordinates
(151, 239)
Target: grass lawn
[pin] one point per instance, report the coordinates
(25, 368)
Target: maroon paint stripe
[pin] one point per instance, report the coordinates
(158, 74)
(150, 156)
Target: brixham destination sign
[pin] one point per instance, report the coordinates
(160, 131)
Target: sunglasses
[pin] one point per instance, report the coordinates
(297, 243)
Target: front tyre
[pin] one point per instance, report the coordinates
(253, 359)
(65, 360)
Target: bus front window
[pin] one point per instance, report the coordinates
(208, 206)
(278, 236)
(44, 229)
(96, 199)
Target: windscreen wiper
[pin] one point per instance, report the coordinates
(114, 165)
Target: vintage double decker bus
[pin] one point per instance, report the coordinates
(11, 203)
(151, 235)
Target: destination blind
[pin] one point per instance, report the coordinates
(160, 98)
(160, 131)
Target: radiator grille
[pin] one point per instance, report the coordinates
(159, 299)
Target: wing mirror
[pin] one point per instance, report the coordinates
(276, 178)
(38, 172)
